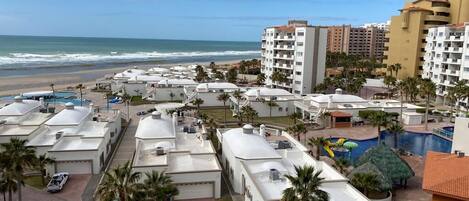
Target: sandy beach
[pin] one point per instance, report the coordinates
(17, 85)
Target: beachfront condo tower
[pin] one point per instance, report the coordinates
(447, 57)
(365, 42)
(407, 32)
(294, 56)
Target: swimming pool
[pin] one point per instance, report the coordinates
(416, 143)
(62, 97)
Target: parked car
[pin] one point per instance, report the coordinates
(57, 182)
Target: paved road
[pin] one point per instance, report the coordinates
(126, 148)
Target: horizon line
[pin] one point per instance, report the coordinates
(102, 37)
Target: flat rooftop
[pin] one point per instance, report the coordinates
(16, 130)
(32, 119)
(77, 144)
(186, 162)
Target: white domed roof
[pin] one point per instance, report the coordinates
(263, 91)
(177, 82)
(179, 68)
(158, 70)
(129, 73)
(154, 128)
(69, 117)
(338, 98)
(217, 85)
(248, 146)
(19, 108)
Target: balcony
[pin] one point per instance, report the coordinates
(283, 56)
(285, 66)
(454, 72)
(456, 38)
(284, 47)
(438, 18)
(289, 38)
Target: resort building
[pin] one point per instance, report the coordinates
(344, 108)
(296, 50)
(447, 58)
(209, 93)
(169, 89)
(461, 135)
(174, 145)
(266, 102)
(446, 176)
(406, 38)
(136, 86)
(382, 25)
(21, 119)
(363, 42)
(256, 165)
(78, 138)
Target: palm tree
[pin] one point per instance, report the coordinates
(127, 99)
(224, 97)
(211, 124)
(53, 92)
(341, 165)
(81, 87)
(260, 79)
(41, 163)
(197, 102)
(157, 186)
(7, 180)
(305, 186)
(379, 119)
(271, 103)
(390, 82)
(401, 87)
(427, 90)
(365, 182)
(248, 112)
(120, 184)
(451, 98)
(460, 92)
(232, 75)
(395, 129)
(318, 143)
(20, 157)
(295, 116)
(238, 96)
(297, 130)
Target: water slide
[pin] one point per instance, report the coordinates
(329, 144)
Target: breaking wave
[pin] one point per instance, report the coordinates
(28, 59)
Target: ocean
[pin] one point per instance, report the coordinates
(30, 55)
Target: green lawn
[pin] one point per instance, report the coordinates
(218, 115)
(34, 181)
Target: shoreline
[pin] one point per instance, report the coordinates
(14, 85)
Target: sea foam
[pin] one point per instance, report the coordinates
(29, 59)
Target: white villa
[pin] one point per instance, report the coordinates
(77, 138)
(209, 92)
(256, 166)
(258, 99)
(344, 107)
(21, 119)
(169, 89)
(165, 143)
(136, 86)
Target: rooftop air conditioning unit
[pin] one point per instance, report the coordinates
(461, 154)
(284, 144)
(159, 151)
(3, 122)
(274, 174)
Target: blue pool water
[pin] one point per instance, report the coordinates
(416, 143)
(62, 97)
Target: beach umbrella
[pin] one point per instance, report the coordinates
(350, 145)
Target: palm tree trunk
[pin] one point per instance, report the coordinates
(402, 105)
(224, 108)
(43, 174)
(426, 111)
(81, 97)
(318, 153)
(18, 186)
(395, 140)
(10, 195)
(379, 135)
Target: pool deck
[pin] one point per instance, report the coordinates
(368, 132)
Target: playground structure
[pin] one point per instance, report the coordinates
(340, 145)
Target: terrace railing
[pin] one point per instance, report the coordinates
(443, 133)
